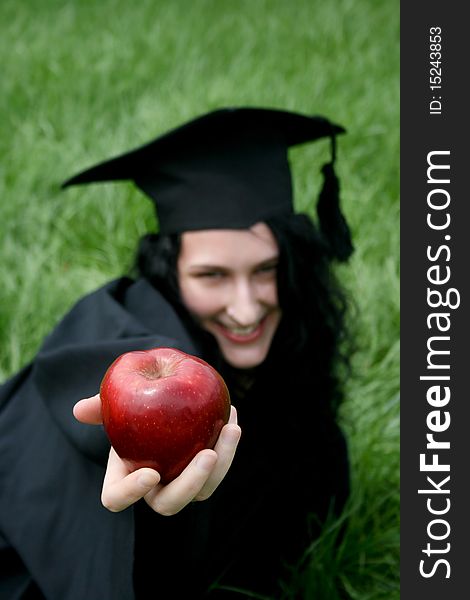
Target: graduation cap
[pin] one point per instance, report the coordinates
(229, 169)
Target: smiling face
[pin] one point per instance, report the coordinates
(227, 281)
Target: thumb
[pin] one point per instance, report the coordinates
(88, 410)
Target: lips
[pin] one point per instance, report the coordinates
(242, 335)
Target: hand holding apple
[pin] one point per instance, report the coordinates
(123, 486)
(160, 407)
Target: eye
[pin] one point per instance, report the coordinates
(210, 275)
(267, 269)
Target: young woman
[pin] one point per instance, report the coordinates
(237, 278)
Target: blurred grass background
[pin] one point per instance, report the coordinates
(85, 79)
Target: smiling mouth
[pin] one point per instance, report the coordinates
(242, 335)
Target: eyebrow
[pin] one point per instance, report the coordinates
(214, 267)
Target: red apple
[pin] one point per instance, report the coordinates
(161, 407)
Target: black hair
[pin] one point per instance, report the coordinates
(156, 261)
(313, 329)
(309, 344)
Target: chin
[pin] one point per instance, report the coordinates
(244, 359)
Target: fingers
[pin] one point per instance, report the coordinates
(225, 449)
(197, 482)
(121, 488)
(233, 415)
(173, 497)
(88, 410)
(202, 476)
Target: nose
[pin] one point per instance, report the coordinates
(243, 306)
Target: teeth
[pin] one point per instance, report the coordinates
(243, 330)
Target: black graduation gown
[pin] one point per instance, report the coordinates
(56, 539)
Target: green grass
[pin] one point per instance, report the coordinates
(83, 80)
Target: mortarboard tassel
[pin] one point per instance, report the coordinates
(333, 225)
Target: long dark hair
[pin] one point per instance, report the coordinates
(309, 346)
